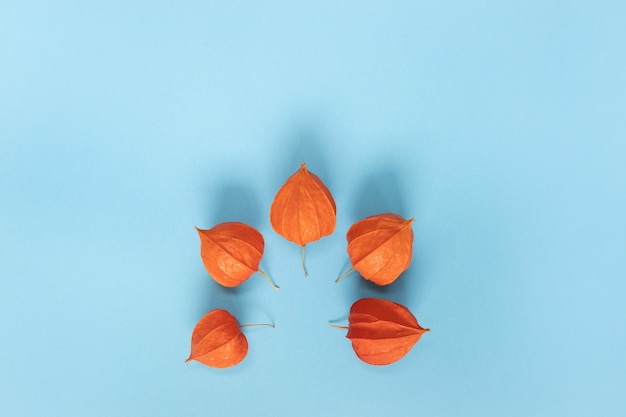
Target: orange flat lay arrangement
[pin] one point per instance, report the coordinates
(380, 249)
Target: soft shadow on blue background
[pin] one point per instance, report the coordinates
(499, 127)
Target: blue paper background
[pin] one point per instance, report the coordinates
(498, 125)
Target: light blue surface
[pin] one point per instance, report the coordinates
(499, 125)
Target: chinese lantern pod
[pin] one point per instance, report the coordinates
(380, 247)
(382, 331)
(217, 341)
(231, 252)
(303, 210)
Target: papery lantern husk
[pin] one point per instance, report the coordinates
(217, 340)
(380, 247)
(303, 210)
(381, 331)
(231, 252)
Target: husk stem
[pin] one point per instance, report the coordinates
(306, 274)
(276, 287)
(257, 324)
(344, 275)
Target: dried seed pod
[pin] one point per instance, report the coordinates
(231, 253)
(382, 331)
(380, 247)
(217, 340)
(303, 210)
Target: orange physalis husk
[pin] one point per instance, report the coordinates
(381, 331)
(217, 341)
(303, 210)
(380, 247)
(231, 252)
